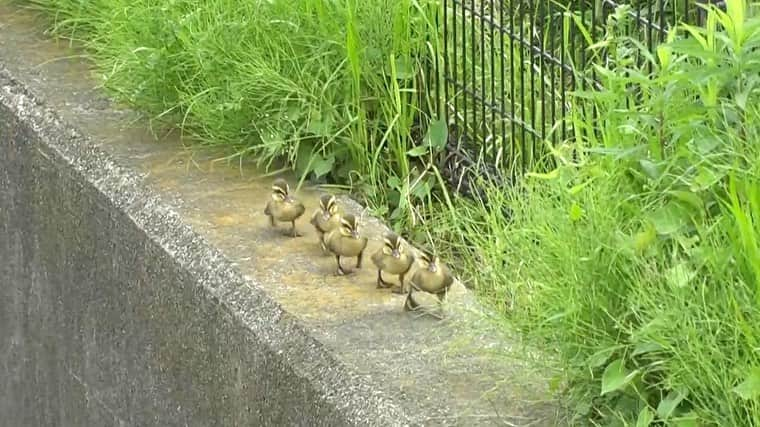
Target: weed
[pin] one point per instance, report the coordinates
(638, 261)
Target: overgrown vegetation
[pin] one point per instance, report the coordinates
(327, 88)
(638, 260)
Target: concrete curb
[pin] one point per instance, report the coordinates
(51, 178)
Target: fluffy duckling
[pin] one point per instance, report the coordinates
(393, 259)
(432, 277)
(283, 207)
(326, 217)
(345, 241)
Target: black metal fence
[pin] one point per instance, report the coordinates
(508, 66)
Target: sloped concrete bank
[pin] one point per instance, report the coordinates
(140, 285)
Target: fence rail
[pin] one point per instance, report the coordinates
(508, 66)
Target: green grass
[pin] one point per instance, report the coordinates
(329, 89)
(638, 262)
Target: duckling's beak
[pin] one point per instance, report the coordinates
(432, 267)
(396, 253)
(355, 234)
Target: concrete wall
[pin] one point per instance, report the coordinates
(112, 312)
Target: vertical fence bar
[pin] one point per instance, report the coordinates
(649, 29)
(453, 74)
(493, 79)
(563, 77)
(464, 73)
(531, 37)
(436, 108)
(512, 79)
(483, 85)
(445, 82)
(542, 65)
(552, 75)
(473, 76)
(503, 103)
(590, 28)
(539, 41)
(523, 159)
(662, 20)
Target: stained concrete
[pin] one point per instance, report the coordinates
(141, 285)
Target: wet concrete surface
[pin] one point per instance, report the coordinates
(417, 360)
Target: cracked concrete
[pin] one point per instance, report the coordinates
(141, 285)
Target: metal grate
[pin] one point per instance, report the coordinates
(507, 67)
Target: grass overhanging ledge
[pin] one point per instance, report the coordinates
(635, 264)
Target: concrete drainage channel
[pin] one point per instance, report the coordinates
(140, 285)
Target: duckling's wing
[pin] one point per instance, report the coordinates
(377, 259)
(300, 209)
(410, 261)
(315, 219)
(448, 280)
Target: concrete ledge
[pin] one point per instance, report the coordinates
(115, 313)
(138, 288)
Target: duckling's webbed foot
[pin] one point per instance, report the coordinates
(399, 289)
(359, 259)
(382, 284)
(293, 231)
(339, 271)
(410, 304)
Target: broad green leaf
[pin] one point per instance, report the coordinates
(688, 197)
(576, 212)
(417, 151)
(669, 219)
(706, 178)
(601, 357)
(394, 182)
(293, 112)
(664, 53)
(651, 170)
(680, 275)
(437, 134)
(404, 69)
(749, 388)
(669, 404)
(421, 190)
(645, 417)
(690, 419)
(303, 157)
(616, 376)
(322, 165)
(646, 347)
(644, 238)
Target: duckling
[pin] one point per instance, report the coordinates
(326, 217)
(393, 259)
(432, 277)
(345, 241)
(283, 207)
